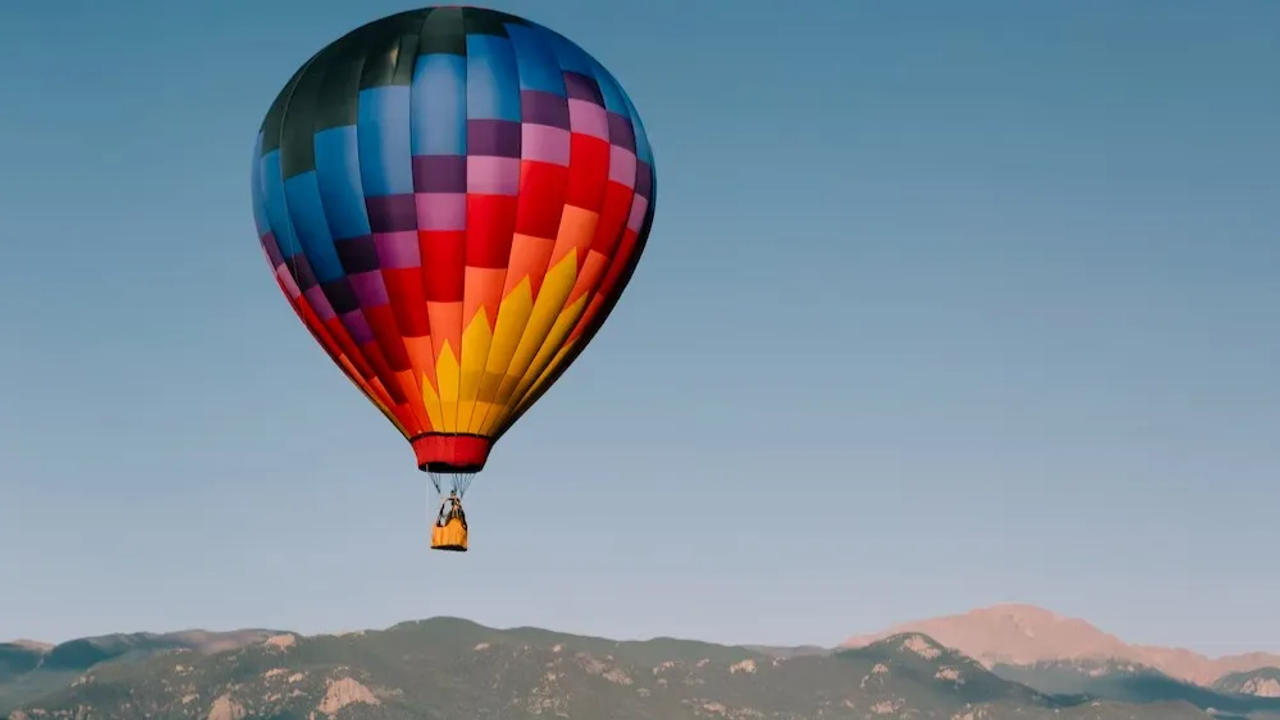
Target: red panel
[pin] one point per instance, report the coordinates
(490, 221)
(331, 347)
(404, 413)
(338, 332)
(404, 287)
(588, 171)
(619, 262)
(373, 353)
(383, 322)
(608, 284)
(443, 258)
(542, 190)
(613, 218)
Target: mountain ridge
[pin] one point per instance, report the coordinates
(445, 668)
(30, 644)
(1019, 634)
(29, 669)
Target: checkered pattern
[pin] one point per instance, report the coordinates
(452, 200)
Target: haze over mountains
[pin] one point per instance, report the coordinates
(1027, 635)
(1030, 665)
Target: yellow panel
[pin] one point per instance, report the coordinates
(555, 288)
(550, 348)
(447, 376)
(546, 375)
(431, 401)
(476, 339)
(513, 317)
(574, 237)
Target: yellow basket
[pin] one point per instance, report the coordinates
(450, 536)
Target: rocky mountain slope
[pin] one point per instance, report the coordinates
(1127, 682)
(1264, 682)
(30, 669)
(1024, 635)
(443, 669)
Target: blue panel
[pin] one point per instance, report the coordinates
(338, 174)
(570, 56)
(307, 212)
(493, 92)
(439, 105)
(276, 206)
(536, 63)
(613, 100)
(255, 189)
(386, 166)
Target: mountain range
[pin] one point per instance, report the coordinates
(1026, 635)
(447, 668)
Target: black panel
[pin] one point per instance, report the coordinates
(297, 149)
(271, 123)
(480, 21)
(340, 81)
(380, 53)
(391, 50)
(443, 32)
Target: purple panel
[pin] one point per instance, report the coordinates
(440, 173)
(644, 179)
(544, 108)
(545, 144)
(588, 119)
(493, 137)
(488, 175)
(639, 205)
(583, 88)
(369, 289)
(357, 326)
(621, 132)
(357, 254)
(398, 250)
(320, 304)
(290, 285)
(622, 166)
(301, 269)
(273, 249)
(442, 211)
(391, 213)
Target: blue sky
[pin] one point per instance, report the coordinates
(945, 305)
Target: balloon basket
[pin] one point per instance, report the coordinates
(450, 536)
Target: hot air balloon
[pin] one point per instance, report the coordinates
(452, 200)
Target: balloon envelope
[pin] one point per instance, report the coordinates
(452, 200)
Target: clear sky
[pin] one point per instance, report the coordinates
(945, 304)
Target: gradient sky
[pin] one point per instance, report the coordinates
(946, 304)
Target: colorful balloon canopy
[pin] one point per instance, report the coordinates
(452, 200)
